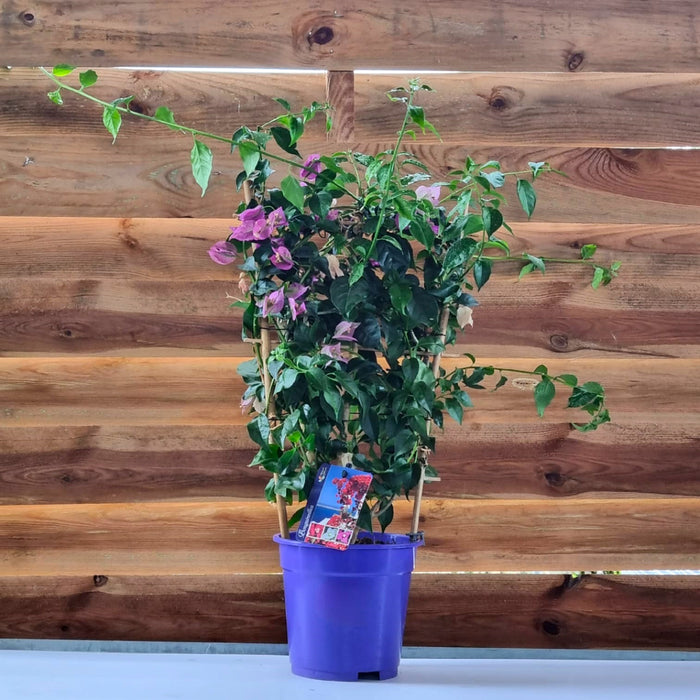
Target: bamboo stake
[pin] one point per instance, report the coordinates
(423, 452)
(265, 345)
(267, 379)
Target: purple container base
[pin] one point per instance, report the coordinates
(346, 610)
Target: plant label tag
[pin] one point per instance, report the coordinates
(334, 504)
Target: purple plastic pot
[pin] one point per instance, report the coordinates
(346, 610)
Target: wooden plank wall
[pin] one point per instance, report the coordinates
(126, 507)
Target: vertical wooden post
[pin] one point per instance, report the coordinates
(340, 94)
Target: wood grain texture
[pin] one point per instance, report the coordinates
(543, 35)
(147, 287)
(214, 102)
(235, 537)
(205, 391)
(587, 109)
(108, 464)
(462, 610)
(92, 177)
(340, 91)
(541, 109)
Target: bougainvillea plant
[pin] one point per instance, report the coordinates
(355, 275)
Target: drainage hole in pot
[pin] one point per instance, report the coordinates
(368, 676)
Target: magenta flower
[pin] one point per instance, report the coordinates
(273, 303)
(334, 351)
(311, 167)
(296, 290)
(252, 226)
(252, 214)
(277, 218)
(296, 308)
(345, 330)
(281, 258)
(223, 252)
(432, 193)
(294, 293)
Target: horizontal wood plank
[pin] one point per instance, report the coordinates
(540, 109)
(96, 464)
(463, 535)
(205, 391)
(175, 249)
(148, 287)
(462, 610)
(92, 177)
(543, 35)
(587, 109)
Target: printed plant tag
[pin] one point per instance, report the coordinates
(334, 505)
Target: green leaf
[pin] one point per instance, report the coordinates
(296, 129)
(527, 197)
(482, 272)
(459, 253)
(503, 380)
(386, 515)
(293, 191)
(283, 102)
(593, 388)
(568, 379)
(334, 400)
(587, 251)
(598, 277)
(62, 69)
(55, 96)
(284, 140)
(526, 270)
(536, 167)
(201, 159)
(454, 408)
(286, 379)
(364, 521)
(250, 155)
(296, 517)
(88, 78)
(358, 269)
(544, 393)
(423, 308)
(165, 115)
(417, 116)
(112, 120)
(536, 262)
(422, 232)
(492, 219)
(496, 178)
(400, 295)
(259, 430)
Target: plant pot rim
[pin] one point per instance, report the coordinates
(386, 540)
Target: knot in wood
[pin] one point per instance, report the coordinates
(559, 342)
(100, 580)
(28, 18)
(321, 36)
(575, 60)
(551, 627)
(498, 103)
(554, 478)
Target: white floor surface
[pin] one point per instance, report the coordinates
(66, 675)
